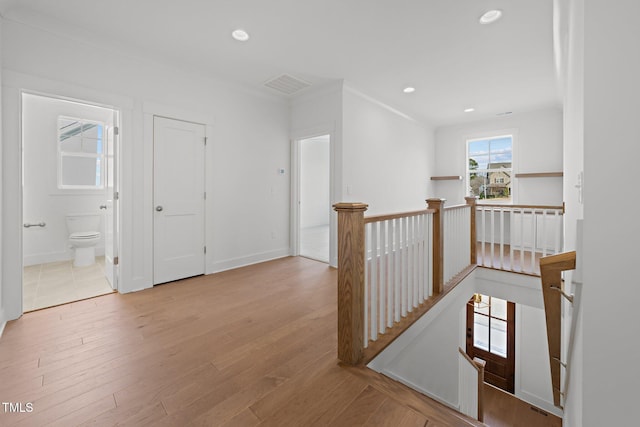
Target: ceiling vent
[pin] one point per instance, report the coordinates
(287, 84)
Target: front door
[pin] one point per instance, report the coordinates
(178, 199)
(491, 337)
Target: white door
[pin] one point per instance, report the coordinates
(110, 206)
(178, 199)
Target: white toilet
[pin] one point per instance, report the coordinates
(83, 237)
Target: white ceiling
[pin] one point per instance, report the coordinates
(376, 46)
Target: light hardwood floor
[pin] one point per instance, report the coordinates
(252, 346)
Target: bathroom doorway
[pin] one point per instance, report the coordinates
(70, 215)
(314, 200)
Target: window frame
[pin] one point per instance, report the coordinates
(61, 154)
(508, 133)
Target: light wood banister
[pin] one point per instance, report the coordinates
(551, 268)
(350, 281)
(438, 244)
(387, 217)
(472, 201)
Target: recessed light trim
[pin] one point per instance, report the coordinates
(490, 16)
(469, 110)
(409, 89)
(240, 35)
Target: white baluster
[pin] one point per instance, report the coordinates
(367, 278)
(390, 274)
(397, 271)
(374, 281)
(383, 276)
(501, 239)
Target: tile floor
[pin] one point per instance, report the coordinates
(46, 285)
(314, 243)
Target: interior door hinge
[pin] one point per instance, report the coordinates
(205, 140)
(205, 195)
(116, 130)
(205, 249)
(116, 195)
(116, 260)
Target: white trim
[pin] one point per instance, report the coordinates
(174, 113)
(233, 263)
(294, 226)
(416, 387)
(14, 85)
(151, 110)
(382, 105)
(3, 322)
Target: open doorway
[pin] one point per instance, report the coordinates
(69, 234)
(314, 197)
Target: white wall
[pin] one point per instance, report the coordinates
(2, 316)
(424, 356)
(387, 157)
(315, 198)
(248, 202)
(537, 148)
(570, 52)
(611, 371)
(43, 201)
(313, 113)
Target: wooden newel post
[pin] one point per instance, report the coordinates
(350, 281)
(438, 244)
(472, 201)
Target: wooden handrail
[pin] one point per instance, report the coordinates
(387, 217)
(447, 178)
(551, 268)
(450, 208)
(352, 289)
(472, 201)
(540, 175)
(539, 207)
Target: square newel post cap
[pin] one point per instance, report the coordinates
(471, 200)
(435, 203)
(350, 207)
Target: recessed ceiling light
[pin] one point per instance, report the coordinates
(469, 110)
(409, 89)
(490, 16)
(240, 35)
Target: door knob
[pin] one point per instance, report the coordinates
(103, 206)
(159, 208)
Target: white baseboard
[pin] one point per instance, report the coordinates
(45, 258)
(539, 402)
(230, 264)
(421, 390)
(3, 322)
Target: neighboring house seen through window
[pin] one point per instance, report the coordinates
(80, 154)
(490, 167)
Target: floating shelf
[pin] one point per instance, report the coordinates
(446, 178)
(540, 175)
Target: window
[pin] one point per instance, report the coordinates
(80, 153)
(490, 167)
(490, 325)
